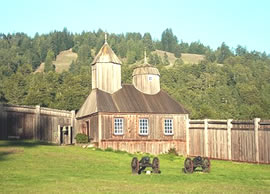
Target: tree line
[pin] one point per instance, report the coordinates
(229, 83)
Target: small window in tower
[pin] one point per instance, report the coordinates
(150, 77)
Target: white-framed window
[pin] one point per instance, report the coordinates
(168, 126)
(118, 126)
(143, 126)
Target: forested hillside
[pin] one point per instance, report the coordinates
(227, 83)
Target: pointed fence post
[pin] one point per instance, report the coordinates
(256, 131)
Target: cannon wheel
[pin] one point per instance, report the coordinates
(188, 164)
(206, 165)
(155, 165)
(135, 165)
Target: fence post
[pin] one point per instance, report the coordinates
(187, 135)
(229, 138)
(37, 123)
(59, 134)
(256, 128)
(73, 125)
(206, 138)
(69, 135)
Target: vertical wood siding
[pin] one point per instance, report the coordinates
(142, 83)
(155, 142)
(242, 138)
(107, 77)
(21, 122)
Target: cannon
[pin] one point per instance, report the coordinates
(203, 162)
(138, 167)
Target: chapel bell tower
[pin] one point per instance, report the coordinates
(106, 70)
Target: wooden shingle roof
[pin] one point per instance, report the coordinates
(145, 70)
(129, 100)
(106, 55)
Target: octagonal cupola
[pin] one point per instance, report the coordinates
(146, 78)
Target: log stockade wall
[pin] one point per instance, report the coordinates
(245, 140)
(37, 123)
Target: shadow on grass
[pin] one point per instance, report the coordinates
(8, 151)
(17, 146)
(22, 143)
(3, 155)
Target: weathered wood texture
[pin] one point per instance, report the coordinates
(155, 137)
(106, 70)
(91, 129)
(234, 140)
(155, 130)
(264, 141)
(146, 146)
(217, 141)
(106, 77)
(146, 78)
(26, 122)
(243, 142)
(196, 139)
(146, 83)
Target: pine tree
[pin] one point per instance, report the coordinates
(49, 66)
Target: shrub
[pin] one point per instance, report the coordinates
(172, 151)
(81, 138)
(109, 149)
(120, 151)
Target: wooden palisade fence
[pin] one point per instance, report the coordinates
(237, 140)
(35, 122)
(245, 140)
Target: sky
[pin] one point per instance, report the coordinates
(235, 22)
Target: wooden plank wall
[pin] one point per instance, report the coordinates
(217, 139)
(156, 126)
(26, 122)
(94, 128)
(243, 141)
(146, 146)
(108, 77)
(156, 133)
(237, 142)
(264, 141)
(196, 138)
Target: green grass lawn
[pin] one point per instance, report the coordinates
(29, 167)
